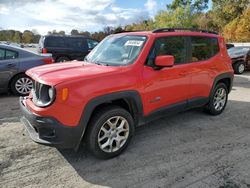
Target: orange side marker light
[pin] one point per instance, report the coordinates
(65, 93)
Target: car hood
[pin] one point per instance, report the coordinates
(54, 74)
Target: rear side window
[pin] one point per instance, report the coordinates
(76, 43)
(55, 42)
(203, 48)
(175, 46)
(10, 54)
(7, 54)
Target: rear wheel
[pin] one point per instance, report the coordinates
(21, 85)
(110, 131)
(239, 67)
(218, 99)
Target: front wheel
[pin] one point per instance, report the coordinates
(110, 131)
(218, 99)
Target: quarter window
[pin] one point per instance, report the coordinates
(203, 48)
(174, 46)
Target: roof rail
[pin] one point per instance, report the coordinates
(124, 31)
(182, 29)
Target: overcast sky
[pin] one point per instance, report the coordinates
(90, 15)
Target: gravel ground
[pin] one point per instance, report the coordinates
(191, 149)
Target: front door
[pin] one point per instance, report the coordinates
(167, 86)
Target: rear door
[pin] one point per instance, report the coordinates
(9, 66)
(204, 58)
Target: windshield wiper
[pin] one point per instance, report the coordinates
(100, 63)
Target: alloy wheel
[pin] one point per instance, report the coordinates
(113, 134)
(23, 85)
(220, 98)
(241, 68)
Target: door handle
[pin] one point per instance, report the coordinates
(11, 65)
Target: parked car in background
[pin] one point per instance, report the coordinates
(228, 45)
(65, 48)
(127, 80)
(14, 62)
(240, 56)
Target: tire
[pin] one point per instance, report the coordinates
(62, 59)
(218, 99)
(21, 85)
(239, 67)
(115, 140)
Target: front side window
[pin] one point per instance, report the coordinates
(117, 50)
(174, 46)
(2, 54)
(203, 48)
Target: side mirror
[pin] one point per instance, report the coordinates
(164, 61)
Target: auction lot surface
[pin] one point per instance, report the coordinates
(191, 149)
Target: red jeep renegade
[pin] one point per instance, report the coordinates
(127, 80)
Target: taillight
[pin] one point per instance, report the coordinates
(44, 50)
(48, 60)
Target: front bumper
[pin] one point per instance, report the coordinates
(49, 131)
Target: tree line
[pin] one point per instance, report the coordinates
(230, 18)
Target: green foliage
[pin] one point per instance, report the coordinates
(230, 18)
(17, 37)
(180, 17)
(74, 32)
(27, 36)
(239, 29)
(194, 6)
(225, 11)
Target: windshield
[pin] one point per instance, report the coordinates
(117, 50)
(238, 51)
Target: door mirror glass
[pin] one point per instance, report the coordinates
(164, 61)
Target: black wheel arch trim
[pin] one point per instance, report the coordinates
(227, 75)
(132, 98)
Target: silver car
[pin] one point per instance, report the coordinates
(14, 62)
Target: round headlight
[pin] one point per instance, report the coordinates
(51, 92)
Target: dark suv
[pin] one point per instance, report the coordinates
(65, 48)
